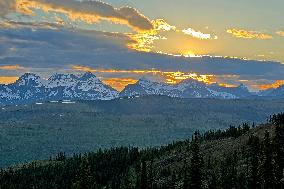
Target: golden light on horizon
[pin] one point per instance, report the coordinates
(274, 85)
(8, 79)
(169, 76)
(176, 77)
(118, 83)
(10, 67)
(245, 34)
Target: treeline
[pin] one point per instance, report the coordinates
(259, 163)
(230, 132)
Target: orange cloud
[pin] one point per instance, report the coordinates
(87, 11)
(274, 85)
(8, 80)
(10, 67)
(248, 34)
(169, 77)
(161, 24)
(281, 33)
(118, 83)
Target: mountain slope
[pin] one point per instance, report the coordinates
(37, 131)
(226, 161)
(186, 89)
(31, 88)
(273, 93)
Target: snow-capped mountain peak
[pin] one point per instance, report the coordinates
(62, 80)
(30, 88)
(88, 75)
(29, 79)
(188, 88)
(243, 86)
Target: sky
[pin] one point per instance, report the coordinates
(213, 41)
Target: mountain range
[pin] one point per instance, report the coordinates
(32, 88)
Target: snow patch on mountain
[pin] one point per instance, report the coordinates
(30, 87)
(189, 88)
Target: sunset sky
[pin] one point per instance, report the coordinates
(224, 41)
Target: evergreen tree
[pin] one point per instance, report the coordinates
(172, 184)
(254, 162)
(196, 167)
(279, 153)
(229, 171)
(150, 177)
(84, 177)
(186, 179)
(130, 180)
(144, 180)
(267, 166)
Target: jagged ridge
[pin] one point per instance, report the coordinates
(31, 88)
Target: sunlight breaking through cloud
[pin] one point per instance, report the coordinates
(198, 34)
(248, 34)
(273, 85)
(281, 33)
(89, 12)
(10, 67)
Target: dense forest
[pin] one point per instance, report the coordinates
(241, 157)
(36, 131)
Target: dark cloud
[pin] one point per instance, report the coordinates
(60, 49)
(6, 6)
(86, 11)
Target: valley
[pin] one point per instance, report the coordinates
(38, 131)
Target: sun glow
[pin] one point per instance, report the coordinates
(118, 83)
(274, 85)
(169, 77)
(7, 79)
(176, 77)
(10, 67)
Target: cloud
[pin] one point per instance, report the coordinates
(86, 11)
(281, 33)
(70, 13)
(10, 67)
(248, 34)
(8, 24)
(161, 24)
(274, 85)
(8, 79)
(170, 77)
(6, 6)
(47, 51)
(198, 34)
(118, 83)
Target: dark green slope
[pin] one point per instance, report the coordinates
(225, 162)
(38, 131)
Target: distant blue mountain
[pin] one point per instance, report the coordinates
(273, 93)
(186, 89)
(32, 88)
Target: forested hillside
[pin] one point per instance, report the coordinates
(247, 156)
(34, 132)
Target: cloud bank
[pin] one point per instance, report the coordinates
(198, 34)
(245, 34)
(86, 11)
(281, 33)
